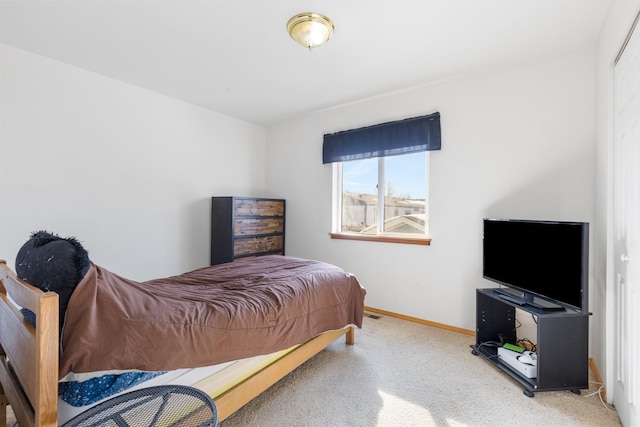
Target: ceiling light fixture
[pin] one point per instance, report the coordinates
(310, 29)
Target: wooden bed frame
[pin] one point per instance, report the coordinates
(29, 358)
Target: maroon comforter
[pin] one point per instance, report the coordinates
(215, 314)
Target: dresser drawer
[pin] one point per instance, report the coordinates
(252, 226)
(243, 227)
(252, 245)
(250, 207)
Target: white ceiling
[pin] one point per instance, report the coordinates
(235, 56)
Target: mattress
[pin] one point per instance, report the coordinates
(215, 379)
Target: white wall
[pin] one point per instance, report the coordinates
(130, 172)
(614, 31)
(127, 171)
(516, 143)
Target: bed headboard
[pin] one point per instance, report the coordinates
(28, 355)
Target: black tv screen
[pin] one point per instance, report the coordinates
(545, 260)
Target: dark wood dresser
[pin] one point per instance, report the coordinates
(246, 226)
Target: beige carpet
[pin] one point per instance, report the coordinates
(402, 373)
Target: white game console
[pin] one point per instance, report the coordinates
(527, 366)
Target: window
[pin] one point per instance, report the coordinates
(383, 196)
(381, 179)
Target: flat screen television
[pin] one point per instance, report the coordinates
(541, 263)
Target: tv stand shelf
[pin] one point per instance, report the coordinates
(562, 342)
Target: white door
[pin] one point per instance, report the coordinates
(626, 222)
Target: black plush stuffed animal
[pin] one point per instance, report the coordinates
(52, 263)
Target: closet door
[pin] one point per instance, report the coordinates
(626, 223)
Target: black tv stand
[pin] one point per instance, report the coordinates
(562, 342)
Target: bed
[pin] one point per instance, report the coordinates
(34, 359)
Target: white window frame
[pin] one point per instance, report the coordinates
(336, 217)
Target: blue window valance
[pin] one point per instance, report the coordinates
(384, 139)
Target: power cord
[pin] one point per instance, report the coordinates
(526, 343)
(476, 349)
(599, 393)
(487, 344)
(502, 340)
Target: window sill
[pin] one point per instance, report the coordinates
(425, 241)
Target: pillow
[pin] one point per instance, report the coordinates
(52, 263)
